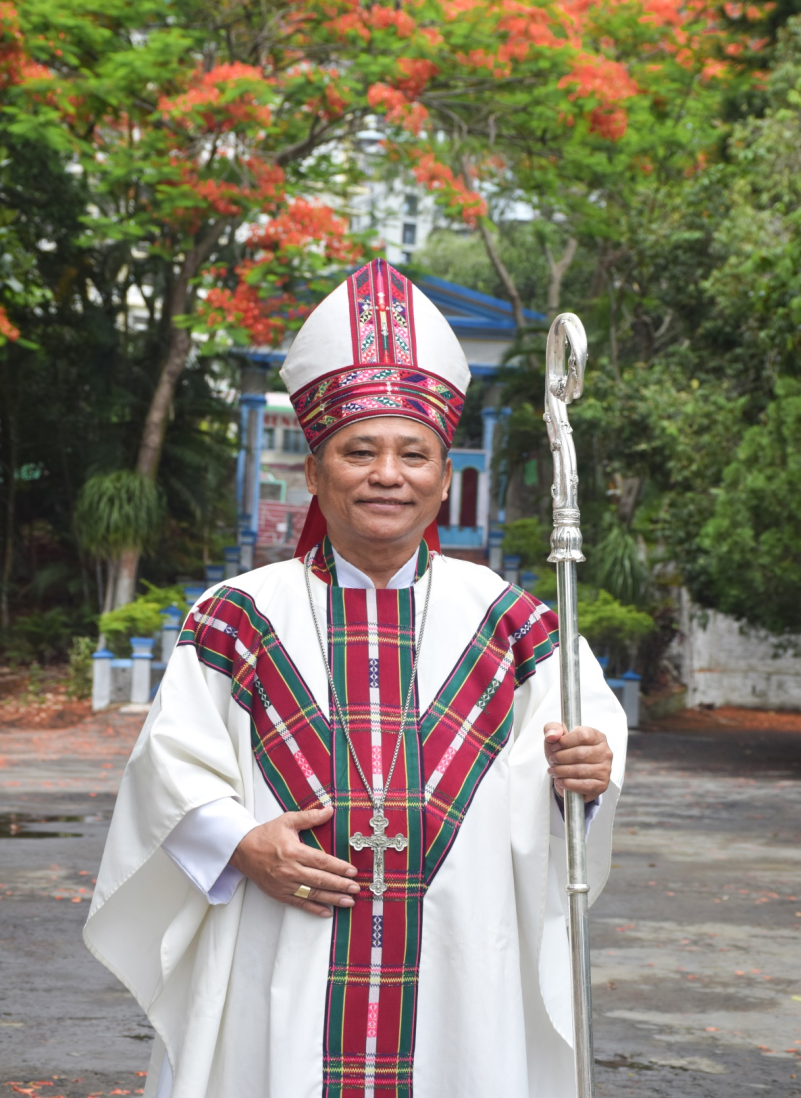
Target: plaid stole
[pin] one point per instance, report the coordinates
(375, 945)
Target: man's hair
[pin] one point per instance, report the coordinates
(318, 453)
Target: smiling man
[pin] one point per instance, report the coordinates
(336, 865)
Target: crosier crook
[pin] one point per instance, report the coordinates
(561, 386)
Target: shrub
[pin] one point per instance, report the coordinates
(140, 618)
(612, 628)
(79, 680)
(529, 539)
(42, 635)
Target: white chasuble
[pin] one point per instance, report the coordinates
(453, 983)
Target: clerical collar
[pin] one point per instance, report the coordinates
(331, 567)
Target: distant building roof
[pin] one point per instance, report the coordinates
(484, 325)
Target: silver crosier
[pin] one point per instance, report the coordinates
(564, 383)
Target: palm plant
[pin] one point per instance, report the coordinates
(118, 516)
(619, 565)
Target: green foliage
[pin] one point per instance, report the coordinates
(42, 635)
(752, 543)
(612, 628)
(529, 539)
(34, 690)
(140, 618)
(619, 565)
(79, 680)
(117, 511)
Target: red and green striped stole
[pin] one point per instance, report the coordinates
(375, 946)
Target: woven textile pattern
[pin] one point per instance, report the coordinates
(368, 1042)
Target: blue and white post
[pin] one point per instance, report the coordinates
(169, 632)
(142, 657)
(101, 679)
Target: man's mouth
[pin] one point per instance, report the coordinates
(381, 503)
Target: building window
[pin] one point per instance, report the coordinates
(293, 441)
(407, 257)
(268, 440)
(272, 490)
(468, 512)
(409, 233)
(410, 205)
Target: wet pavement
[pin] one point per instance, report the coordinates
(696, 940)
(697, 937)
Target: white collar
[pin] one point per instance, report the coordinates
(348, 575)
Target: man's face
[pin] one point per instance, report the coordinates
(380, 480)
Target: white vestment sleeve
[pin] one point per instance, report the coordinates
(202, 843)
(543, 926)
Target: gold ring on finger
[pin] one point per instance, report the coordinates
(302, 892)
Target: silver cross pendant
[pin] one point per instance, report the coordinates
(378, 843)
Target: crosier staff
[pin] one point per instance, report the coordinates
(561, 386)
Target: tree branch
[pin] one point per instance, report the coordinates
(558, 269)
(503, 273)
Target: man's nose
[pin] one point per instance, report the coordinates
(387, 470)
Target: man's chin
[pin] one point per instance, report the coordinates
(386, 527)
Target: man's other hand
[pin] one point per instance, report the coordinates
(580, 761)
(273, 857)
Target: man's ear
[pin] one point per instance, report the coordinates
(447, 477)
(312, 470)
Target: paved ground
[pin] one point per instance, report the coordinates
(696, 942)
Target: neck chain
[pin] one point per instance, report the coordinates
(376, 799)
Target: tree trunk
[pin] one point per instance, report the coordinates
(8, 553)
(10, 464)
(111, 583)
(125, 586)
(180, 343)
(503, 273)
(558, 269)
(613, 350)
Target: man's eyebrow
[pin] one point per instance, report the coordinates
(405, 440)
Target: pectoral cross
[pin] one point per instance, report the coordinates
(378, 843)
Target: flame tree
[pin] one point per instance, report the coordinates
(216, 142)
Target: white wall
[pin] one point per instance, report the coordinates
(725, 664)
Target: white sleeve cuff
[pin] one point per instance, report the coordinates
(591, 810)
(202, 843)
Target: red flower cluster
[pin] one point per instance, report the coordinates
(297, 233)
(265, 319)
(15, 65)
(416, 74)
(439, 177)
(357, 21)
(209, 97)
(7, 329)
(410, 115)
(303, 225)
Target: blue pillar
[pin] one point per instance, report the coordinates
(169, 631)
(101, 678)
(215, 573)
(248, 472)
(631, 697)
(231, 554)
(141, 657)
(496, 550)
(193, 591)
